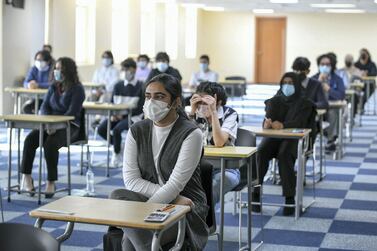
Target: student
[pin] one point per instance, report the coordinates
(143, 69)
(47, 47)
(161, 165)
(162, 66)
(127, 90)
(64, 97)
(368, 68)
(349, 72)
(311, 88)
(289, 110)
(219, 124)
(334, 89)
(39, 76)
(107, 75)
(204, 74)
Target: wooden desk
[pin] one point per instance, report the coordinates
(118, 213)
(91, 85)
(17, 92)
(107, 109)
(41, 123)
(303, 142)
(370, 80)
(340, 106)
(357, 85)
(233, 153)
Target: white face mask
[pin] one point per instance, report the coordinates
(203, 111)
(162, 66)
(41, 65)
(155, 110)
(122, 75)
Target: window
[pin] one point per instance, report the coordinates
(191, 31)
(171, 29)
(147, 27)
(119, 30)
(85, 31)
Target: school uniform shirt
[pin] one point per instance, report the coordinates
(41, 77)
(170, 71)
(142, 74)
(337, 90)
(370, 67)
(202, 76)
(67, 103)
(129, 93)
(348, 75)
(108, 76)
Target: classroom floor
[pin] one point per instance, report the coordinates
(344, 216)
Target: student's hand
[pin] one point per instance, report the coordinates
(184, 201)
(364, 73)
(211, 102)
(267, 124)
(98, 93)
(194, 102)
(326, 87)
(322, 77)
(33, 84)
(277, 125)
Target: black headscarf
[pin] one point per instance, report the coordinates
(296, 83)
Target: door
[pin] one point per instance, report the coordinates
(270, 49)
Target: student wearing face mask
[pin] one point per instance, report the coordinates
(334, 89)
(219, 124)
(39, 76)
(143, 70)
(64, 97)
(204, 74)
(161, 165)
(289, 110)
(129, 91)
(162, 66)
(368, 68)
(107, 75)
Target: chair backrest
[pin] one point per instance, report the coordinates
(82, 136)
(206, 170)
(235, 78)
(21, 237)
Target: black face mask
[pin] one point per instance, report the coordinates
(363, 56)
(348, 64)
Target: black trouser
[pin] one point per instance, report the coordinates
(285, 151)
(117, 127)
(51, 145)
(29, 106)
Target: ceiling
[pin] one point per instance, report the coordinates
(303, 6)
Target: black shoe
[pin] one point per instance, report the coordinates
(256, 198)
(330, 147)
(50, 195)
(289, 210)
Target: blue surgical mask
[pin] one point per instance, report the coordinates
(142, 64)
(203, 67)
(162, 66)
(106, 62)
(58, 75)
(288, 90)
(324, 69)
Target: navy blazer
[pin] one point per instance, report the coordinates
(314, 92)
(337, 89)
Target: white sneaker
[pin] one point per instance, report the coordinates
(116, 160)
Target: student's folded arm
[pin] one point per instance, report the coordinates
(30, 76)
(187, 162)
(300, 121)
(131, 172)
(339, 92)
(322, 102)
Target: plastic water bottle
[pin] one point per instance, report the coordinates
(90, 181)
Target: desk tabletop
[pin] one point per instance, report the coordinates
(36, 118)
(105, 106)
(321, 112)
(337, 104)
(229, 151)
(283, 133)
(92, 85)
(232, 82)
(25, 90)
(369, 78)
(350, 92)
(109, 212)
(357, 85)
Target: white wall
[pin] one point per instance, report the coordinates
(23, 33)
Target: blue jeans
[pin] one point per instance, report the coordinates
(232, 178)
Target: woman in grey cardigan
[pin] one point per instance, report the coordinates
(161, 165)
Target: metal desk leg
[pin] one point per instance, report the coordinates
(68, 130)
(249, 202)
(340, 134)
(299, 179)
(181, 235)
(374, 98)
(39, 222)
(221, 232)
(352, 117)
(18, 156)
(67, 232)
(320, 147)
(40, 162)
(108, 143)
(156, 241)
(36, 104)
(368, 92)
(9, 158)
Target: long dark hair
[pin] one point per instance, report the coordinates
(173, 87)
(212, 88)
(69, 72)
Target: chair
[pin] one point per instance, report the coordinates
(244, 138)
(238, 91)
(20, 237)
(81, 140)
